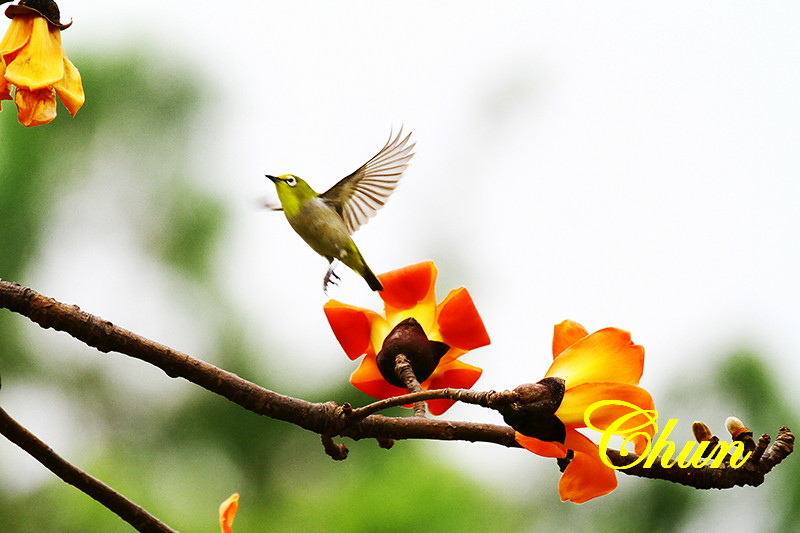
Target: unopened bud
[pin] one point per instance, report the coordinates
(533, 412)
(701, 432)
(737, 429)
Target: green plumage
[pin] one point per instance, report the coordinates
(326, 221)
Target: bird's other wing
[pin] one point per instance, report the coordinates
(358, 196)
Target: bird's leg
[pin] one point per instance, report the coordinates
(330, 274)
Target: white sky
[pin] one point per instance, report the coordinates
(619, 163)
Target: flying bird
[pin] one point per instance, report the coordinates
(326, 221)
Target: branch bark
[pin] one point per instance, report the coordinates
(330, 419)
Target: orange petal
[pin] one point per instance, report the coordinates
(566, 334)
(540, 447)
(227, 512)
(352, 327)
(587, 476)
(368, 379)
(40, 63)
(459, 322)
(70, 88)
(35, 108)
(607, 355)
(409, 286)
(4, 92)
(16, 37)
(455, 375)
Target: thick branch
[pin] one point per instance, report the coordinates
(136, 516)
(330, 419)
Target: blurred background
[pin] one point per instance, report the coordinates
(619, 164)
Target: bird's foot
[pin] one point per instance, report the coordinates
(330, 278)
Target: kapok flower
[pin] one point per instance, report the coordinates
(227, 512)
(409, 292)
(605, 365)
(32, 60)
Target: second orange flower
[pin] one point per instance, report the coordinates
(409, 292)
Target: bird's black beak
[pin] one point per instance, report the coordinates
(273, 178)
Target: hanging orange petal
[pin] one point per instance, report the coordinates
(17, 35)
(227, 512)
(566, 334)
(40, 63)
(455, 375)
(4, 92)
(460, 325)
(409, 286)
(607, 355)
(555, 450)
(70, 88)
(35, 108)
(352, 327)
(587, 476)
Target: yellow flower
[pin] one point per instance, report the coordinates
(32, 60)
(605, 365)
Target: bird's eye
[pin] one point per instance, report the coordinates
(291, 181)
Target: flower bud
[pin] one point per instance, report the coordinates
(737, 429)
(533, 412)
(701, 432)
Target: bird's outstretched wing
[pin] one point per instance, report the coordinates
(358, 196)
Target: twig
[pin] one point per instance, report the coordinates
(136, 516)
(405, 372)
(489, 399)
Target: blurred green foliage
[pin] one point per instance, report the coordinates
(181, 454)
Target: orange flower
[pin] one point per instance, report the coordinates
(409, 292)
(227, 512)
(32, 60)
(605, 365)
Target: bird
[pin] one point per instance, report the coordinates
(326, 221)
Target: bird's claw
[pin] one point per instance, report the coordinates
(328, 281)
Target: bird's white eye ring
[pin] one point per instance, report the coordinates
(291, 181)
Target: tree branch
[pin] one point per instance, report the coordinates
(330, 419)
(136, 516)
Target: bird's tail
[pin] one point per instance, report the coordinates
(372, 280)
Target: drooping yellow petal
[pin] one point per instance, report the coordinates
(35, 107)
(40, 63)
(607, 355)
(576, 400)
(565, 334)
(4, 92)
(17, 35)
(587, 476)
(70, 88)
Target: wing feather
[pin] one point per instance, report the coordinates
(359, 196)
